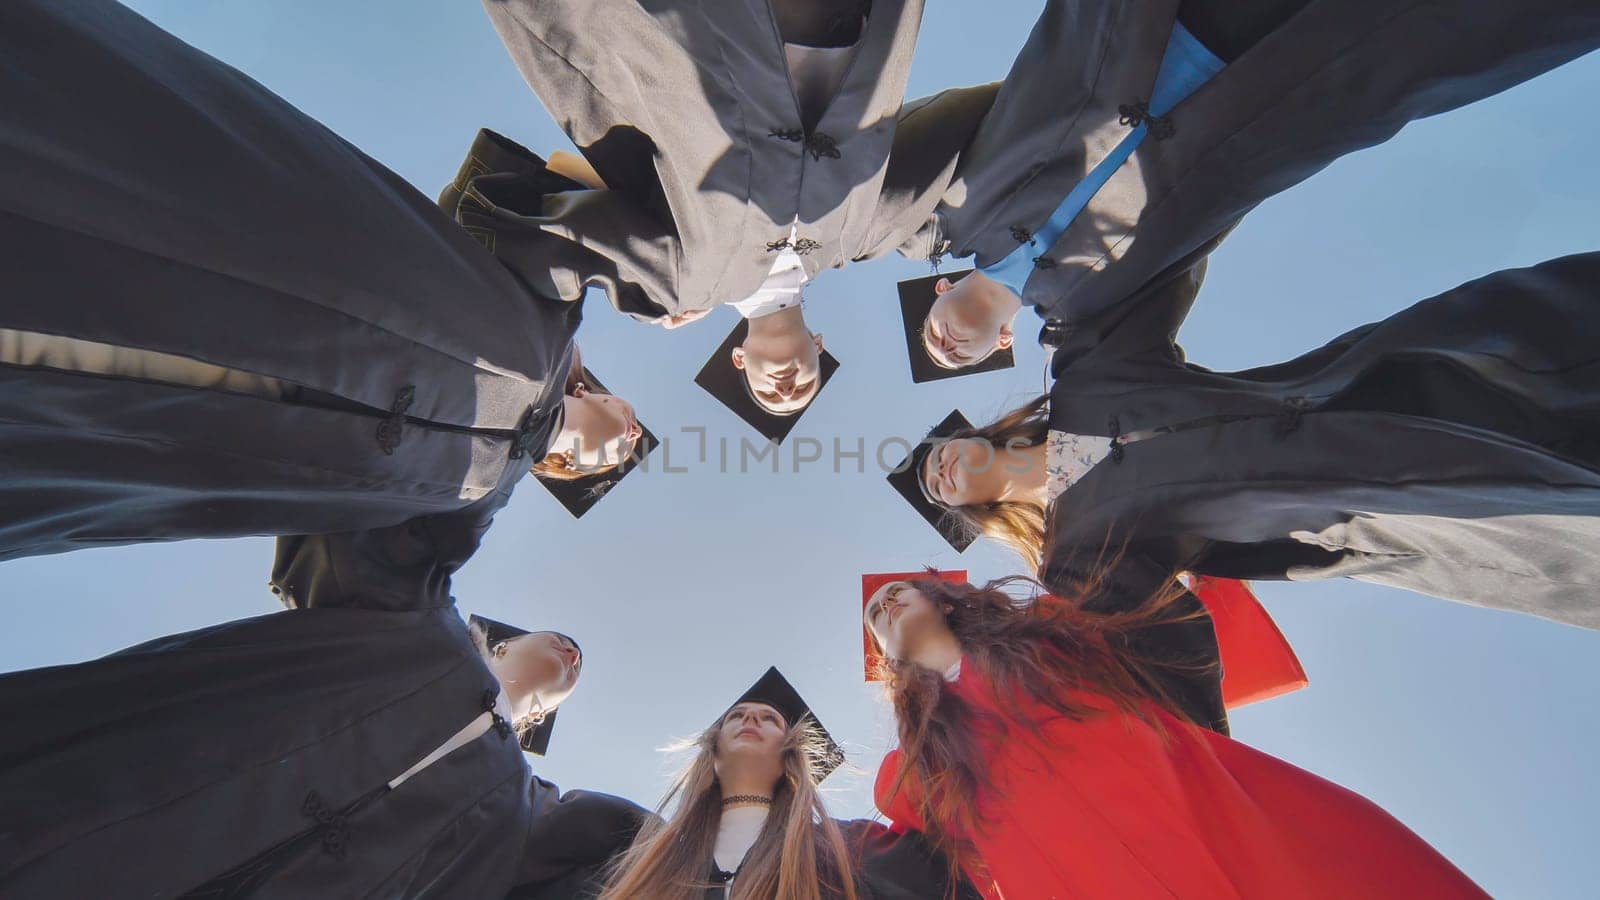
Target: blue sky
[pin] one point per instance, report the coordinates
(1475, 727)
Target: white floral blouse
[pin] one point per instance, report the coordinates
(1069, 457)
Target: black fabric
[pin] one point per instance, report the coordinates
(244, 880)
(1306, 83)
(252, 758)
(172, 763)
(888, 866)
(580, 835)
(1230, 27)
(820, 23)
(708, 161)
(175, 205)
(1448, 449)
(899, 866)
(1333, 78)
(573, 839)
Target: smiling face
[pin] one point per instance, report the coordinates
(783, 370)
(545, 662)
(965, 472)
(902, 620)
(598, 429)
(968, 322)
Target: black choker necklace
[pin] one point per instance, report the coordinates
(746, 798)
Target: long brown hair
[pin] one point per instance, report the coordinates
(1037, 647)
(559, 465)
(799, 855)
(1017, 524)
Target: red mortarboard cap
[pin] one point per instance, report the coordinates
(1257, 661)
(869, 586)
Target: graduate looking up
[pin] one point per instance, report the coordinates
(745, 820)
(1452, 449)
(220, 319)
(768, 143)
(365, 741)
(1040, 753)
(1128, 138)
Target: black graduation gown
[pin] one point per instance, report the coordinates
(574, 839)
(708, 160)
(889, 865)
(251, 758)
(263, 745)
(1336, 76)
(152, 197)
(1452, 449)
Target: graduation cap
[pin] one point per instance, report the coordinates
(916, 299)
(730, 386)
(579, 495)
(906, 478)
(775, 691)
(870, 584)
(536, 740)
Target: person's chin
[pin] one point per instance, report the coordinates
(747, 743)
(793, 410)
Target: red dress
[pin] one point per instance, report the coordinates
(1107, 807)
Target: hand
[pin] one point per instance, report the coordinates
(682, 319)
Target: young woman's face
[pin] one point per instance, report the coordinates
(752, 732)
(600, 429)
(900, 618)
(545, 662)
(783, 370)
(963, 328)
(966, 472)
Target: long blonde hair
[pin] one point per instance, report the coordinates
(1017, 524)
(799, 855)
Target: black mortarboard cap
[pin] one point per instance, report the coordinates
(906, 479)
(581, 494)
(729, 385)
(537, 739)
(916, 298)
(775, 691)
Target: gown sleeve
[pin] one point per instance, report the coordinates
(899, 864)
(931, 134)
(1147, 323)
(573, 838)
(557, 236)
(401, 568)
